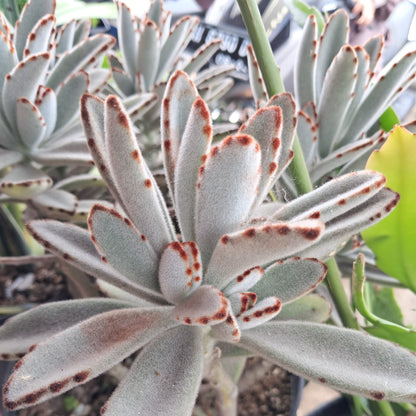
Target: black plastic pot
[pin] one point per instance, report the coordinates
(337, 407)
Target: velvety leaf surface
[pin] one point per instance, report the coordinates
(178, 100)
(56, 202)
(68, 97)
(23, 82)
(195, 144)
(28, 328)
(132, 177)
(9, 157)
(393, 240)
(334, 198)
(290, 279)
(333, 38)
(305, 63)
(30, 123)
(180, 270)
(245, 281)
(74, 245)
(148, 53)
(256, 80)
(260, 313)
(82, 352)
(311, 308)
(33, 11)
(39, 39)
(335, 97)
(164, 379)
(225, 190)
(347, 360)
(265, 126)
(130, 253)
(357, 219)
(255, 246)
(205, 306)
(24, 181)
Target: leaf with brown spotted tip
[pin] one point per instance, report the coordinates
(333, 38)
(255, 77)
(261, 312)
(123, 246)
(24, 181)
(92, 114)
(289, 119)
(241, 302)
(335, 97)
(8, 57)
(79, 58)
(136, 185)
(127, 38)
(82, 352)
(23, 82)
(290, 279)
(180, 271)
(30, 123)
(165, 377)
(39, 38)
(22, 331)
(339, 158)
(205, 306)
(68, 96)
(333, 198)
(261, 245)
(195, 144)
(46, 103)
(148, 53)
(305, 63)
(34, 11)
(344, 359)
(341, 228)
(175, 44)
(244, 281)
(56, 202)
(74, 245)
(311, 308)
(265, 126)
(226, 190)
(178, 100)
(227, 331)
(201, 56)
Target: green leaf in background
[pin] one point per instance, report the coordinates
(388, 119)
(67, 10)
(384, 304)
(11, 9)
(393, 240)
(380, 328)
(301, 10)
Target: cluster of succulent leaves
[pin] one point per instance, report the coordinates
(150, 52)
(231, 273)
(341, 93)
(44, 72)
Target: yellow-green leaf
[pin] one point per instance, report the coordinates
(393, 240)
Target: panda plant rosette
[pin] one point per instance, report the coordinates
(227, 273)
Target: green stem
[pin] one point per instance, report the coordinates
(298, 170)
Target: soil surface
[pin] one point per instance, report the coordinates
(266, 394)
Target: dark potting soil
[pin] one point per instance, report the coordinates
(268, 393)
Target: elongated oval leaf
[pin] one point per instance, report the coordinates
(344, 359)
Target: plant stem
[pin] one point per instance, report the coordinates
(298, 170)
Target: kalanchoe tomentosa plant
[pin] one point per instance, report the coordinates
(42, 77)
(341, 93)
(151, 50)
(220, 284)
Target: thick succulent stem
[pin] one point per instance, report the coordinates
(298, 170)
(274, 83)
